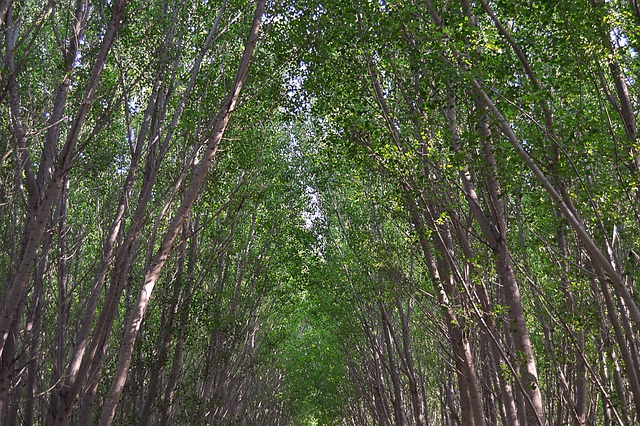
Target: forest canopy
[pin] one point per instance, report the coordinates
(305, 212)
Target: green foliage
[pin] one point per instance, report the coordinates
(303, 250)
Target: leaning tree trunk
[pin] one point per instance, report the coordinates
(440, 273)
(154, 270)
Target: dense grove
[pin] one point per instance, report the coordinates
(305, 212)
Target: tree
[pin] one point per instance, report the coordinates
(319, 212)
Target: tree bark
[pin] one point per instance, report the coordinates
(153, 272)
(470, 396)
(416, 399)
(398, 400)
(38, 217)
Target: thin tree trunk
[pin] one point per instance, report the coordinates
(170, 403)
(38, 218)
(416, 399)
(632, 374)
(153, 273)
(164, 341)
(398, 405)
(381, 401)
(470, 396)
(594, 252)
(494, 231)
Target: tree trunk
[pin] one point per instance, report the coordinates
(417, 400)
(470, 396)
(398, 403)
(153, 272)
